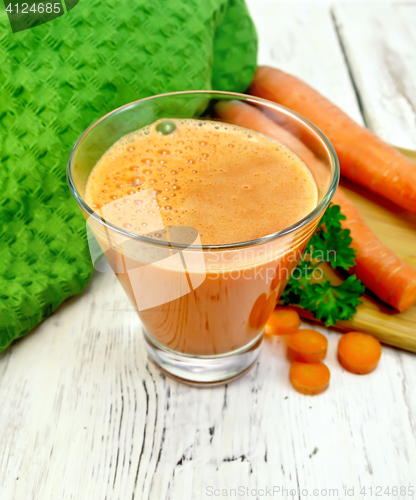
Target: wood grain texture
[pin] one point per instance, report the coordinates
(380, 44)
(83, 415)
(301, 40)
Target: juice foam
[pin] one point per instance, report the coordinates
(229, 183)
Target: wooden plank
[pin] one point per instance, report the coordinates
(301, 40)
(380, 44)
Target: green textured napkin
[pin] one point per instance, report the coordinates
(59, 77)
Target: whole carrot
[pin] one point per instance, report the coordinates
(378, 267)
(364, 158)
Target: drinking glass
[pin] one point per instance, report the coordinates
(203, 308)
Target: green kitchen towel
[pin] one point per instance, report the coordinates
(55, 80)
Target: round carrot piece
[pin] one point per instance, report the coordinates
(309, 378)
(307, 346)
(359, 352)
(282, 321)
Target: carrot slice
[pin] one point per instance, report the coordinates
(378, 267)
(309, 378)
(282, 321)
(359, 352)
(364, 158)
(306, 346)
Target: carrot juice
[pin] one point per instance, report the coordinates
(230, 185)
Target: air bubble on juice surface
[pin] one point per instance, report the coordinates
(164, 152)
(113, 197)
(146, 160)
(126, 226)
(168, 207)
(176, 187)
(132, 148)
(147, 172)
(144, 224)
(137, 181)
(138, 202)
(104, 191)
(191, 162)
(173, 172)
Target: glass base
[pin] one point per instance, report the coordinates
(203, 370)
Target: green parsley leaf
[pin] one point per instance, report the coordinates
(329, 303)
(330, 242)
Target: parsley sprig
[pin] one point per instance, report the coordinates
(327, 302)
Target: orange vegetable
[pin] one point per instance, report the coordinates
(378, 267)
(306, 346)
(282, 321)
(364, 158)
(309, 378)
(359, 352)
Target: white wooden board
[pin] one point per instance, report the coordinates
(380, 44)
(83, 415)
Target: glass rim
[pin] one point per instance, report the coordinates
(226, 246)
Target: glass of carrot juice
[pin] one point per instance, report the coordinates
(202, 203)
